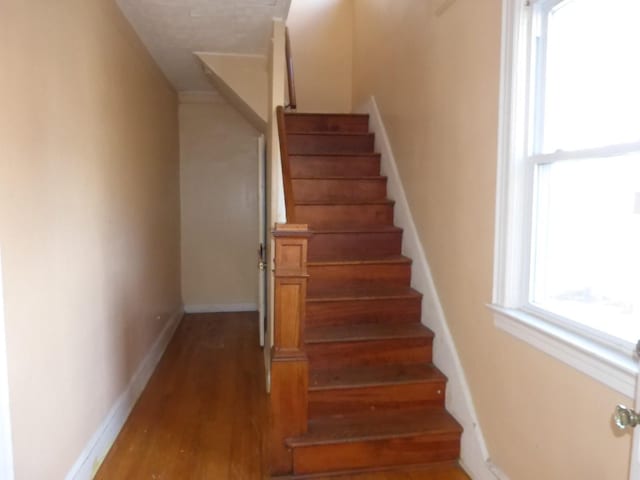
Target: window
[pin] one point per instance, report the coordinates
(567, 276)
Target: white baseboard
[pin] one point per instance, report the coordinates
(499, 474)
(98, 446)
(219, 308)
(474, 456)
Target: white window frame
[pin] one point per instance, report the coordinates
(604, 358)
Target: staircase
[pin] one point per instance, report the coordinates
(375, 400)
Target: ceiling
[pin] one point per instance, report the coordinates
(173, 29)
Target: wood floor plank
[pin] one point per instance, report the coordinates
(203, 414)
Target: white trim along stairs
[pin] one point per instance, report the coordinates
(474, 457)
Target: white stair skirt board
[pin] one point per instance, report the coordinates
(98, 446)
(222, 308)
(474, 455)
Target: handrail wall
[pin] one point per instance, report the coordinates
(291, 83)
(289, 365)
(286, 167)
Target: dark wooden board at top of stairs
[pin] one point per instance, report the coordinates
(317, 122)
(329, 142)
(343, 165)
(327, 214)
(336, 189)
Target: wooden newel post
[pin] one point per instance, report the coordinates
(289, 363)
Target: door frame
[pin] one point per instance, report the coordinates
(6, 445)
(262, 239)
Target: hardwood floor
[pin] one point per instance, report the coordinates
(203, 414)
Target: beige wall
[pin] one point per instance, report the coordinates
(321, 34)
(218, 184)
(243, 80)
(89, 219)
(436, 80)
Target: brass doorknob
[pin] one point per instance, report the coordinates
(625, 417)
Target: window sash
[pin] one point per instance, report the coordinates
(536, 17)
(530, 235)
(533, 29)
(600, 152)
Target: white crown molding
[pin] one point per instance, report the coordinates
(99, 444)
(474, 454)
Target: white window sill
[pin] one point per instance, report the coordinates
(611, 366)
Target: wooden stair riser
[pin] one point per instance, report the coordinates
(320, 216)
(337, 190)
(344, 400)
(327, 123)
(373, 352)
(335, 165)
(392, 274)
(354, 245)
(310, 143)
(411, 450)
(340, 312)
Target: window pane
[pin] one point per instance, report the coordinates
(586, 262)
(592, 95)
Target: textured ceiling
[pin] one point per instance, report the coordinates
(173, 29)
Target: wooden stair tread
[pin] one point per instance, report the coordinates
(373, 376)
(445, 470)
(366, 332)
(392, 259)
(320, 114)
(332, 155)
(384, 201)
(356, 229)
(334, 177)
(332, 133)
(362, 293)
(373, 426)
